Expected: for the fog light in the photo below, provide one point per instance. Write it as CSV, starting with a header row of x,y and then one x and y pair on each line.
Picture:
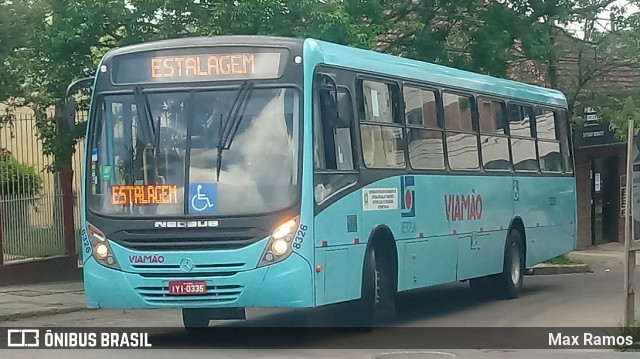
x,y
102,251
279,247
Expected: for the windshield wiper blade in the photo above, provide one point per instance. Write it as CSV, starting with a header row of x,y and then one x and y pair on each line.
x,y
229,128
142,105
153,133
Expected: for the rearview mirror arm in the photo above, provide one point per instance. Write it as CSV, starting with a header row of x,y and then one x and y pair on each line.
x,y
77,84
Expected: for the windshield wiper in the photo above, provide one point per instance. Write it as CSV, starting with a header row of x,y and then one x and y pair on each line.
x,y
229,128
146,120
142,104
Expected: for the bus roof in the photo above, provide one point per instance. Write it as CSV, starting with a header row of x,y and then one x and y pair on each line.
x,y
203,41
370,61
376,62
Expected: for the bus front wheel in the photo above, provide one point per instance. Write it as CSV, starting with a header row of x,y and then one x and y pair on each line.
x,y
378,295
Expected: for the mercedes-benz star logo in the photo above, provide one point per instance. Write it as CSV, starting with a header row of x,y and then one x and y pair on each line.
x,y
186,265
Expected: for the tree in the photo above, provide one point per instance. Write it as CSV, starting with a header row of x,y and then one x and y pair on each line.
x,y
65,40
619,113
518,39
15,20
578,65
353,22
52,42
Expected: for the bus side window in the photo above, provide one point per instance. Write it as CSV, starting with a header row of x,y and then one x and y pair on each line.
x,y
333,141
565,141
332,125
523,144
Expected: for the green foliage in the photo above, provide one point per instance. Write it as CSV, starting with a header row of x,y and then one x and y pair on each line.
x,y
619,113
561,260
17,180
49,43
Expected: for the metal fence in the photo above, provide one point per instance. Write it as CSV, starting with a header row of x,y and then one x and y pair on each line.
x,y
30,196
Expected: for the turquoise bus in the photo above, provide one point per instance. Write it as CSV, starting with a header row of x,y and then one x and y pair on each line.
x,y
251,171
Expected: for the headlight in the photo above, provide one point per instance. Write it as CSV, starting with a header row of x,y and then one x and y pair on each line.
x,y
102,252
279,246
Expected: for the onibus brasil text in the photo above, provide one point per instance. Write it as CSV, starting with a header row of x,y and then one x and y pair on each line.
x,y
50,339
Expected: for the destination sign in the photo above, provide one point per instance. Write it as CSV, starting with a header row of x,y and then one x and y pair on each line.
x,y
204,65
188,67
144,194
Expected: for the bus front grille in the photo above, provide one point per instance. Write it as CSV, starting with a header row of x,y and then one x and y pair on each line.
x,y
199,239
180,244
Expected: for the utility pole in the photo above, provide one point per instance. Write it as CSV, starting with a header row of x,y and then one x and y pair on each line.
x,y
629,240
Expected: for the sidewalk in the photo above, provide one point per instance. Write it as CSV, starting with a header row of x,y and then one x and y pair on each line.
x,y
607,256
18,302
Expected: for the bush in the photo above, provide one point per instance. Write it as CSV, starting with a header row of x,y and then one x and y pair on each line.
x,y
18,180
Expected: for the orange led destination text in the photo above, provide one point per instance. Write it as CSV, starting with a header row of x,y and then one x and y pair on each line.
x,y
203,66
151,194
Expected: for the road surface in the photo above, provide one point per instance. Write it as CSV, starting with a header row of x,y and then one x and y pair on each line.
x,y
575,300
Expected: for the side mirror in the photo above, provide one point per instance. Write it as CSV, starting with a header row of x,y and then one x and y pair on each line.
x,y
69,107
69,113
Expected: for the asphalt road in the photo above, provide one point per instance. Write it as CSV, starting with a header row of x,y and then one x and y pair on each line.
x,y
576,300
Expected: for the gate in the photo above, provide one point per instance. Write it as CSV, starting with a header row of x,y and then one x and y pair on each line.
x,y
31,200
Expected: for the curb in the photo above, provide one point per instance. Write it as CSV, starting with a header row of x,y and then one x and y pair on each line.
x,y
12,317
549,269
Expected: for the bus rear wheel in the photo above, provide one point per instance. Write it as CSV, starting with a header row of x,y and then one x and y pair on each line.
x,y
508,284
195,318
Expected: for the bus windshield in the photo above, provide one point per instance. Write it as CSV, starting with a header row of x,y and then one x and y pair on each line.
x,y
150,151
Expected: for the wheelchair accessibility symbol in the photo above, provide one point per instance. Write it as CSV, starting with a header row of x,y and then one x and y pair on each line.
x,y
203,198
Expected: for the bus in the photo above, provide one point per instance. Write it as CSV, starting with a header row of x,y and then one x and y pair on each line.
x,y
223,173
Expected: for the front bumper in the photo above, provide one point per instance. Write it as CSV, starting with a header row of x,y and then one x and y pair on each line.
x,y
287,284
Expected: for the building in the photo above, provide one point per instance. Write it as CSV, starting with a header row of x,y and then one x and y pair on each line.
x,y
600,160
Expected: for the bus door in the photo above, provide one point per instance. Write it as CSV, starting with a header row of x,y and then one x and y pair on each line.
x,y
338,208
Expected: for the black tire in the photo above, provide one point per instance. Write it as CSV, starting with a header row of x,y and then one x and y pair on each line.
x,y
482,287
195,318
377,302
508,284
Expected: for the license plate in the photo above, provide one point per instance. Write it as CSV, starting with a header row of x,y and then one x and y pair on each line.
x,y
187,288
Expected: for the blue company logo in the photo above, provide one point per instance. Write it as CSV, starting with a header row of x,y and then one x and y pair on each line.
x,y
203,198
408,197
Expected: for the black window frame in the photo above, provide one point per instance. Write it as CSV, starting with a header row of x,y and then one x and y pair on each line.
x,y
352,124
531,138
474,126
423,127
505,126
398,117
547,140
565,133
